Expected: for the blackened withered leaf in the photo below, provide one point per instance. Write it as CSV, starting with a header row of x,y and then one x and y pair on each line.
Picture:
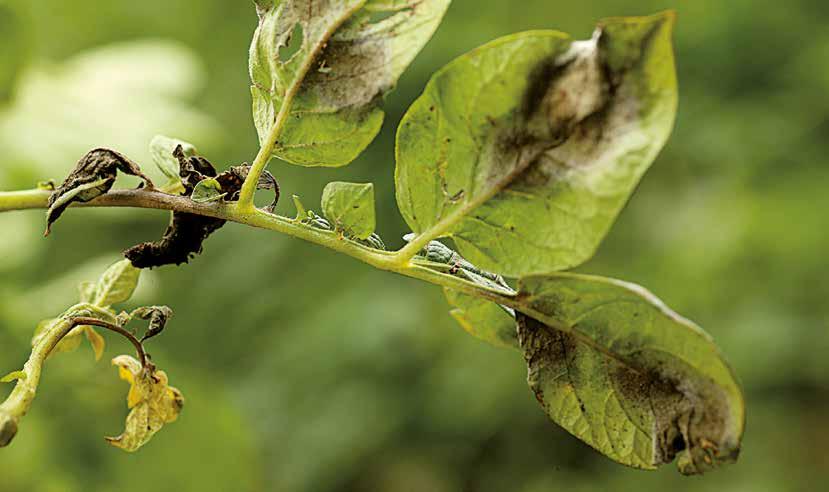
x,y
186,232
157,316
182,240
93,176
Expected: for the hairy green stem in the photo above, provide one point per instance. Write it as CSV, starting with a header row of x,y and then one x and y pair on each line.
x,y
234,212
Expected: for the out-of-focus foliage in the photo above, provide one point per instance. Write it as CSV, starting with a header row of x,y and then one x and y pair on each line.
x,y
308,371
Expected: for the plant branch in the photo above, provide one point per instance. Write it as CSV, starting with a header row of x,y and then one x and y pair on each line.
x,y
20,400
383,260
139,349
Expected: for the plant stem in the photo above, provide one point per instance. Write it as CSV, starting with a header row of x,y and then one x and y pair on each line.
x,y
20,400
383,260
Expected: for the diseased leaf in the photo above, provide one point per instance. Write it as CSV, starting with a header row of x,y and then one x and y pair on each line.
x,y
152,403
93,176
336,64
161,150
117,284
13,376
524,150
157,315
483,319
350,207
614,366
207,190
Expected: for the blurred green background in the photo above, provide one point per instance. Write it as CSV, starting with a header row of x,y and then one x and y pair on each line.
x,y
307,371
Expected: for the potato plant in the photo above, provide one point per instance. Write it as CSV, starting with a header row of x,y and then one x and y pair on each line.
x,y
510,169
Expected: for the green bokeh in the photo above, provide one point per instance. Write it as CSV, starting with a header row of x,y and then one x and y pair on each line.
x,y
307,371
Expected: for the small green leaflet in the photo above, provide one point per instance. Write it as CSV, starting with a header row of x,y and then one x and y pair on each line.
x,y
524,150
328,65
161,150
207,190
614,366
350,207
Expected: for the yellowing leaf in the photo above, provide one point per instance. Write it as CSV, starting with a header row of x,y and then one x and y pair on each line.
x,y
97,341
152,402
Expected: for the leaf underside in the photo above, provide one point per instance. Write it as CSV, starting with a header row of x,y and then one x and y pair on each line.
x,y
628,376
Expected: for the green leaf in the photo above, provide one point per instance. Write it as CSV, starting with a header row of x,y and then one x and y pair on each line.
x,y
207,190
350,207
13,49
161,150
117,284
614,366
483,319
328,64
525,150
13,376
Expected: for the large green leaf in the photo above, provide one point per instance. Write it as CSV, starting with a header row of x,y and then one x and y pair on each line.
x,y
350,207
614,366
331,63
525,150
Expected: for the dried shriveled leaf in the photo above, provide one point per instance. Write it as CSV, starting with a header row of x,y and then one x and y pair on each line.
x,y
157,316
152,402
628,376
350,207
339,62
529,146
93,176
185,234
